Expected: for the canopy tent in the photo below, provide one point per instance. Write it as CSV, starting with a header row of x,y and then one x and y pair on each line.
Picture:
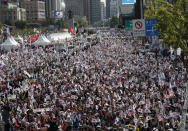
x,y
9,44
19,38
59,36
42,40
45,38
12,38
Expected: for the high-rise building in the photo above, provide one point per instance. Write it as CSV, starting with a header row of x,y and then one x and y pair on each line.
x,y
54,7
126,10
35,10
102,11
108,8
76,7
87,10
11,13
114,8
95,8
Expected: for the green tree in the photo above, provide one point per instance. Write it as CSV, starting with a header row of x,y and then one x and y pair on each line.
x,y
1,25
61,24
98,24
82,22
8,22
114,21
20,24
172,21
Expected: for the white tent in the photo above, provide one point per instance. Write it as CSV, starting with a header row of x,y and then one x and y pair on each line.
x,y
19,38
12,38
59,36
42,40
46,38
9,44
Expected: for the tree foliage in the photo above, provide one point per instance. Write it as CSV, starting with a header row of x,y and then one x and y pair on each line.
x,y
98,24
172,21
20,24
1,25
8,22
61,23
82,22
114,21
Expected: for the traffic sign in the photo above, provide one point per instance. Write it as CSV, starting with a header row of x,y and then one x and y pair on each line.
x,y
129,25
151,29
139,27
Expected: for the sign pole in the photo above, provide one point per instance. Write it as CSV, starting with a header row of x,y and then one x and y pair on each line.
x,y
141,9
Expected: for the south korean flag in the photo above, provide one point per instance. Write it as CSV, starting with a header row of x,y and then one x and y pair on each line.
x,y
59,14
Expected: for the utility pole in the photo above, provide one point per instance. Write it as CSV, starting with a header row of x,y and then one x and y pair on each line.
x,y
142,9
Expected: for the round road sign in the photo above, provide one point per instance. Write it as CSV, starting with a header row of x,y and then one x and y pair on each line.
x,y
138,25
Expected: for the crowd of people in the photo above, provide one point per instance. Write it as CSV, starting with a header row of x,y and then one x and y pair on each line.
x,y
103,87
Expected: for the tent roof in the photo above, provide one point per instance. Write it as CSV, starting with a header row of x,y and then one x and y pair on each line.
x,y
9,44
20,38
12,38
42,40
59,36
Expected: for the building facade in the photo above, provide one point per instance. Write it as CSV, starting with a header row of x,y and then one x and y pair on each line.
x,y
87,10
114,8
53,6
75,6
95,11
102,11
35,10
12,13
108,8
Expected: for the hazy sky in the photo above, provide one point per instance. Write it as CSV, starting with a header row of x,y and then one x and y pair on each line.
x,y
103,1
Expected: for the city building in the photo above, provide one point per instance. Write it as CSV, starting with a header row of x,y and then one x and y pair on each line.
x,y
114,8
87,9
108,8
35,10
11,13
102,11
76,7
95,11
55,9
126,11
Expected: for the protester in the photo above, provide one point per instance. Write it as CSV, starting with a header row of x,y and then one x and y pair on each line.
x,y
102,85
